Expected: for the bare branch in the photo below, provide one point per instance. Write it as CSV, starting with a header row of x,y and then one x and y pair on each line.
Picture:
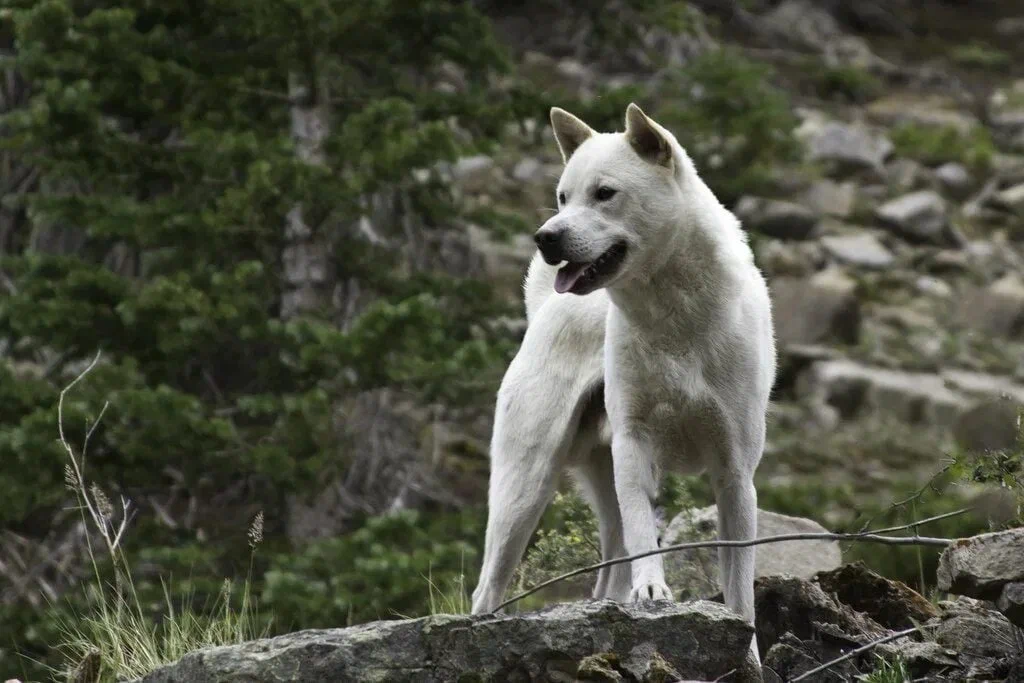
x,y
854,653
860,537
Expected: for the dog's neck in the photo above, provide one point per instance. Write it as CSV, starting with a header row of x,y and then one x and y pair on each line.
x,y
698,269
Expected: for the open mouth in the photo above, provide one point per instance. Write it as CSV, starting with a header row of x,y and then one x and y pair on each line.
x,y
582,278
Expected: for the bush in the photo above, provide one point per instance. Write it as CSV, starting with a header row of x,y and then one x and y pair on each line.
x,y
735,125
849,83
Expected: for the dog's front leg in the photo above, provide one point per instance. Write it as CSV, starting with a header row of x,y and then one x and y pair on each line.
x,y
737,521
636,484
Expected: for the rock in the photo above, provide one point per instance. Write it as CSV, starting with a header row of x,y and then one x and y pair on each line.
x,y
980,566
695,572
955,179
996,310
852,388
776,218
918,217
473,174
973,631
529,170
1010,26
862,250
933,286
929,110
890,603
786,604
848,146
821,308
795,259
803,23
830,198
552,644
1011,199
1011,603
988,426
791,657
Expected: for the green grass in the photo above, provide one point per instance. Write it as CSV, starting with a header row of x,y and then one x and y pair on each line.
x,y
117,636
886,671
980,55
935,145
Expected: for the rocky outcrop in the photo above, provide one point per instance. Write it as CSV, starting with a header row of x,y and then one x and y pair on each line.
x,y
694,573
661,641
981,566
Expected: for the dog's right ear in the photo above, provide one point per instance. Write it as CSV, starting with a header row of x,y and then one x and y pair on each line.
x,y
570,132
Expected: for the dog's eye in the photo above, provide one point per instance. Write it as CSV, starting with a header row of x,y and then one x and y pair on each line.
x,y
604,193
561,198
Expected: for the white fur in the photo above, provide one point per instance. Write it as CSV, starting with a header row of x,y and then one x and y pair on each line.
x,y
680,337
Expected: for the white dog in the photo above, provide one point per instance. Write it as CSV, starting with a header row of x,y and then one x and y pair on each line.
x,y
660,311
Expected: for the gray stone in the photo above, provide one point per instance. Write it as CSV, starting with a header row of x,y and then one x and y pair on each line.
x,y
919,217
921,110
996,310
848,145
853,388
529,170
776,218
980,566
830,198
862,250
473,174
988,426
1011,199
699,640
1011,603
954,178
694,573
821,308
972,630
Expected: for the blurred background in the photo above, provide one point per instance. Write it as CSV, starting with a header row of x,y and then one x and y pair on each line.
x,y
297,231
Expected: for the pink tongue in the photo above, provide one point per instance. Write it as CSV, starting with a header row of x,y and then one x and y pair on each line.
x,y
568,275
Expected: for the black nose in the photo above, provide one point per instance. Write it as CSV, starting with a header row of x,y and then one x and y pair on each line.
x,y
547,239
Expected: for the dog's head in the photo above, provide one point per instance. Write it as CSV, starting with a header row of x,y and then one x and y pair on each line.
x,y
618,201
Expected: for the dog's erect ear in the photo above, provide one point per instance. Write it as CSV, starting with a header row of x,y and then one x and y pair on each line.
x,y
646,137
570,132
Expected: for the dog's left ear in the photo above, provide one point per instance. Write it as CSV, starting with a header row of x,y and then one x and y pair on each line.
x,y
647,138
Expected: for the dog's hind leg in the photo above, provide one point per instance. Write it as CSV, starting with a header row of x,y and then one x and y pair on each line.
x,y
596,480
540,401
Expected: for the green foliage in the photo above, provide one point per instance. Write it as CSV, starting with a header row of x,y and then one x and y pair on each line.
x,y
980,55
849,83
390,567
888,671
735,125
163,132
935,145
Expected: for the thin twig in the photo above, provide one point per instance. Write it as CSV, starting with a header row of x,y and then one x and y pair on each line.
x,y
854,653
861,537
930,484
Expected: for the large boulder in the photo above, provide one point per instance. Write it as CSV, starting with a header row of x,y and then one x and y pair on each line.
x,y
659,641
845,146
821,308
980,566
694,573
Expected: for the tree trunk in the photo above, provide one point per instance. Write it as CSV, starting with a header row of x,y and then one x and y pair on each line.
x,y
308,271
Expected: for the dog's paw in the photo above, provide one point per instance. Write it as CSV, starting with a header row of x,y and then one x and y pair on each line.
x,y
650,590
